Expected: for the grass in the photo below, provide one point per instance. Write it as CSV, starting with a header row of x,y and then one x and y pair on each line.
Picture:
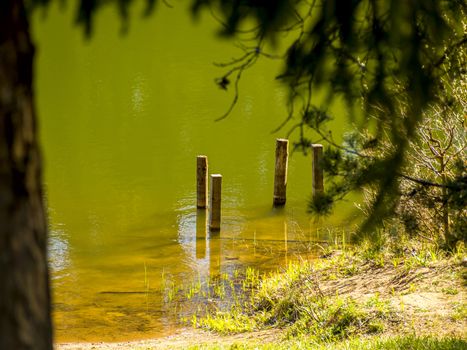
x,y
460,312
293,301
375,343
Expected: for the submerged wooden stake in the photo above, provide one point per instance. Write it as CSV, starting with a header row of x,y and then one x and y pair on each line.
x,y
215,203
201,181
317,180
280,176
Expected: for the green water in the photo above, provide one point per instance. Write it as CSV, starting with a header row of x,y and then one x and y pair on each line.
x,y
122,119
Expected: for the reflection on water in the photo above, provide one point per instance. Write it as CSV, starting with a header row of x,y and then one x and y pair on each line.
x,y
122,121
120,293
59,251
138,95
201,233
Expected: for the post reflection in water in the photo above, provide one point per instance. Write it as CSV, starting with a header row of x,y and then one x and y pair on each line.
x,y
286,239
215,253
201,229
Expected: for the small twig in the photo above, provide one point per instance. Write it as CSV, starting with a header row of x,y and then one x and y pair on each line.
x,y
240,69
333,143
239,31
448,51
166,3
426,182
233,61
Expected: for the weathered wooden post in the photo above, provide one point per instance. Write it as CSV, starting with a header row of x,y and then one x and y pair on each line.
x,y
215,203
201,181
317,180
280,176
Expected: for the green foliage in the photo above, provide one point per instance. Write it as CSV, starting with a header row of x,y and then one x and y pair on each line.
x,y
432,183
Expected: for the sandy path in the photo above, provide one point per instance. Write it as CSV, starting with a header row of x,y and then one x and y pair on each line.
x,y
180,340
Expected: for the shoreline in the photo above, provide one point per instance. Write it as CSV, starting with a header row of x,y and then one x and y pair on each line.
x,y
181,339
419,296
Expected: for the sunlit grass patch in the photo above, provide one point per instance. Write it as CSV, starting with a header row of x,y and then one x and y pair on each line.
x,y
227,322
292,300
304,299
372,343
460,312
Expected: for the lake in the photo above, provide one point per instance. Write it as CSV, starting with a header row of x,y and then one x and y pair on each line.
x,y
122,119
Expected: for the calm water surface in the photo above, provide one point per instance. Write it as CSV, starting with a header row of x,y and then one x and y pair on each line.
x,y
122,120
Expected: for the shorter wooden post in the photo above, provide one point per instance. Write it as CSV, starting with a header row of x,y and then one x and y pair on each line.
x,y
317,179
201,181
280,175
215,203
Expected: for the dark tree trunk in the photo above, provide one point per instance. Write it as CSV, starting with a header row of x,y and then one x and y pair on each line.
x,y
24,281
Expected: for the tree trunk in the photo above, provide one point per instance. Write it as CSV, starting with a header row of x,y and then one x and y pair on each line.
x,y
25,321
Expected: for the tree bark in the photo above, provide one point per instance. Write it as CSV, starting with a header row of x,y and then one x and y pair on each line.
x,y
25,321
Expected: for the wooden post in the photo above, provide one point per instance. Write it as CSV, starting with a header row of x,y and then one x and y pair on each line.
x,y
317,180
280,176
201,181
215,203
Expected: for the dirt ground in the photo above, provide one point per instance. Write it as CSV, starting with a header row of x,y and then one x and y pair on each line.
x,y
428,301
180,340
